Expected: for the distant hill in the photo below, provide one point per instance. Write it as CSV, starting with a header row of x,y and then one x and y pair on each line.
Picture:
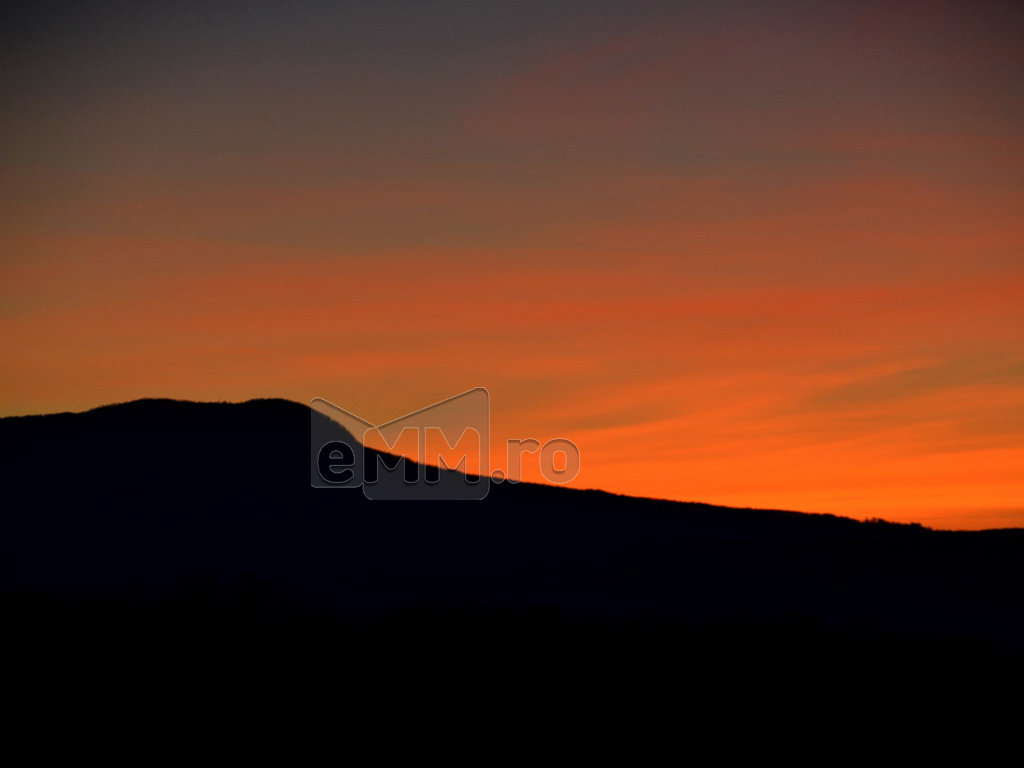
x,y
194,524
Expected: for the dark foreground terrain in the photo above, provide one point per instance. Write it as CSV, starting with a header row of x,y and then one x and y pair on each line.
x,y
171,549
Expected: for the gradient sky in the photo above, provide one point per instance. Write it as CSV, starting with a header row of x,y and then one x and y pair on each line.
x,y
765,254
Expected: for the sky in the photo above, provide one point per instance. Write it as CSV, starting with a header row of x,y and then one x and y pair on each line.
x,y
756,254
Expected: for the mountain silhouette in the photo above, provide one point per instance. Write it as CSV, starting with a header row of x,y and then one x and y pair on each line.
x,y
191,531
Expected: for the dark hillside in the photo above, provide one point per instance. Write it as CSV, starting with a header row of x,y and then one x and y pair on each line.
x,y
194,526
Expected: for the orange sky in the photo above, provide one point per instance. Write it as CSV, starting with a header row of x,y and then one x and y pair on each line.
x,y
738,256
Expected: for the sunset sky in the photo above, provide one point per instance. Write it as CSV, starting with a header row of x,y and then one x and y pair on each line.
x,y
749,253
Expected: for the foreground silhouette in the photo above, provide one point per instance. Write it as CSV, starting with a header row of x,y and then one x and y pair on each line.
x,y
162,543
